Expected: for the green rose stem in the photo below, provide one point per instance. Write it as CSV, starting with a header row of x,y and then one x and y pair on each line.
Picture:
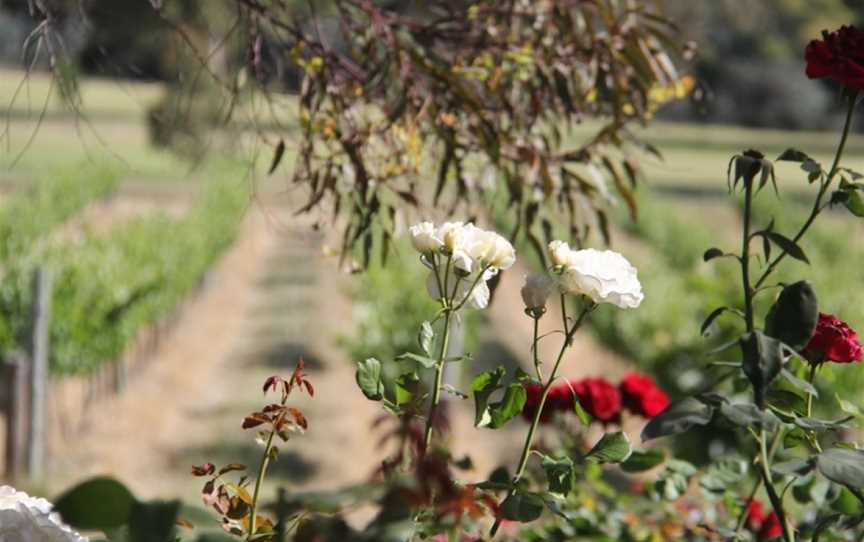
x,y
529,439
742,517
823,188
449,310
439,376
764,459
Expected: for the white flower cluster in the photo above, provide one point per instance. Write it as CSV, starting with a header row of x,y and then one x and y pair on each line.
x,y
475,254
30,519
602,275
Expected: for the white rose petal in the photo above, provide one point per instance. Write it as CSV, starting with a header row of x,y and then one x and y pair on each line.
x,y
559,253
424,239
450,234
537,288
29,519
604,276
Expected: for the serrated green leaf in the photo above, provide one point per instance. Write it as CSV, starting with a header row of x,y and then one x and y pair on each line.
x,y
792,318
522,507
677,418
749,415
560,474
762,361
642,460
424,361
509,406
426,337
611,448
482,387
368,377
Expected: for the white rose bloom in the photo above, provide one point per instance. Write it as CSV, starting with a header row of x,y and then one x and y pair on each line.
x,y
451,234
488,248
503,255
604,276
424,239
537,288
29,519
560,253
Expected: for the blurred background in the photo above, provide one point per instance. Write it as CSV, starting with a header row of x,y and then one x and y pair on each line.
x,y
179,276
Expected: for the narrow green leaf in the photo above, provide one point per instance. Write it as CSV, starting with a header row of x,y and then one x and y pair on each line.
x,y
788,245
710,319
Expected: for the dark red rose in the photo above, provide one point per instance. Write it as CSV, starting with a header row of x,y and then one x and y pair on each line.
x,y
834,341
641,395
755,515
838,55
771,528
599,398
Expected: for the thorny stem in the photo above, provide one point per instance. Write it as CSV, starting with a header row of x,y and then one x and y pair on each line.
x,y
259,481
764,459
817,205
529,439
742,517
776,502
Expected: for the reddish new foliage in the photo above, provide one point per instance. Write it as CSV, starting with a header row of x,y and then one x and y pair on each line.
x,y
838,55
204,470
642,396
834,341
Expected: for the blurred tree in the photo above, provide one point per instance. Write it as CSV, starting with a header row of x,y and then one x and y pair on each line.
x,y
484,90
751,60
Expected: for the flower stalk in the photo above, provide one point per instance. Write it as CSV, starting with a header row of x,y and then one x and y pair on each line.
x,y
535,422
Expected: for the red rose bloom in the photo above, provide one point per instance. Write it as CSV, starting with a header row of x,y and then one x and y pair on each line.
x,y
838,55
641,395
599,398
755,515
771,528
834,341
